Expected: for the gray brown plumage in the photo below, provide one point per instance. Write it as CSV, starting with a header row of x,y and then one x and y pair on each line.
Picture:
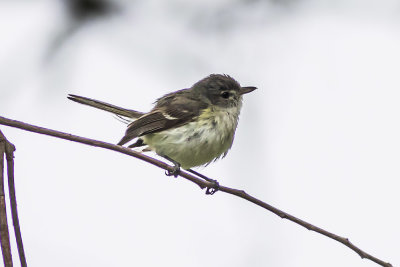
x,y
170,111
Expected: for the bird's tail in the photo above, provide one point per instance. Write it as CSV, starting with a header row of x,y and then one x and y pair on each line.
x,y
129,113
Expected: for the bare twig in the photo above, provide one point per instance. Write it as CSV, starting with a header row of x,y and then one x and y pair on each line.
x,y
4,234
201,183
9,149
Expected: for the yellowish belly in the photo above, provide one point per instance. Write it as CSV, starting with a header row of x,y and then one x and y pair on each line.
x,y
195,143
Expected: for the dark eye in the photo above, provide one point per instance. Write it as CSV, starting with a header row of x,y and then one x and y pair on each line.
x,y
225,95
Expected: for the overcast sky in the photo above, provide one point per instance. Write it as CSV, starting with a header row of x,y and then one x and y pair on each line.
x,y
318,139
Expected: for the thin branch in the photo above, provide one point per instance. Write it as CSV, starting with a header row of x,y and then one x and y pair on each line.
x,y
309,226
201,183
10,148
96,143
4,234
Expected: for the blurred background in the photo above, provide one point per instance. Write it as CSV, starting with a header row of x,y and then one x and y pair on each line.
x,y
318,139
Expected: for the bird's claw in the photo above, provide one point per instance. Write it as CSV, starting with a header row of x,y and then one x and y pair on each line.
x,y
212,190
175,171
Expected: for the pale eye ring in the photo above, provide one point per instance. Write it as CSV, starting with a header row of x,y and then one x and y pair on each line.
x,y
225,95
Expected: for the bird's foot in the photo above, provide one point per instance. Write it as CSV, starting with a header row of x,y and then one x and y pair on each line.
x,y
175,170
215,187
210,190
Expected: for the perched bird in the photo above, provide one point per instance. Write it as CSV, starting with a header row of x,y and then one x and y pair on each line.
x,y
190,127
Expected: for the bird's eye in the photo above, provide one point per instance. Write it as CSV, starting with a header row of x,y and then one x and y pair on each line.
x,y
225,95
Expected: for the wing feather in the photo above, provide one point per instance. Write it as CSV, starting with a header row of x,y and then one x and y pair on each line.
x,y
169,112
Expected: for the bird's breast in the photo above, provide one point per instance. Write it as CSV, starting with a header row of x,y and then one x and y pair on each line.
x,y
199,142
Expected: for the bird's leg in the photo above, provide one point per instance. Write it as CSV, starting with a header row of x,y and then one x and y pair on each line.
x,y
176,169
210,190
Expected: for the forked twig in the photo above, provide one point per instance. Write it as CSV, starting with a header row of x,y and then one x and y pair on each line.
x,y
4,234
201,183
9,151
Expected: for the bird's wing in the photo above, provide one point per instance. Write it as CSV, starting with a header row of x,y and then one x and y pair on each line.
x,y
164,116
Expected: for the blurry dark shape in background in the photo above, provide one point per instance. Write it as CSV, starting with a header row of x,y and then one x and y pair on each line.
x,y
204,19
81,10
79,13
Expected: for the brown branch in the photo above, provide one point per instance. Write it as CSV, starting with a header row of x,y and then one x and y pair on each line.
x,y
309,226
201,183
9,149
4,234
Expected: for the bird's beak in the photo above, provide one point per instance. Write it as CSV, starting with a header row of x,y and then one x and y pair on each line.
x,y
247,89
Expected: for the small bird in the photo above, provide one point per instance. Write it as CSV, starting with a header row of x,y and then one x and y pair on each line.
x,y
189,127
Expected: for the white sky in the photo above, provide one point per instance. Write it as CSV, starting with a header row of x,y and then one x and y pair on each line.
x,y
318,139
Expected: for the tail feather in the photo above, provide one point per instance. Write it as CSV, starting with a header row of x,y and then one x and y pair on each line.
x,y
129,113
125,140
